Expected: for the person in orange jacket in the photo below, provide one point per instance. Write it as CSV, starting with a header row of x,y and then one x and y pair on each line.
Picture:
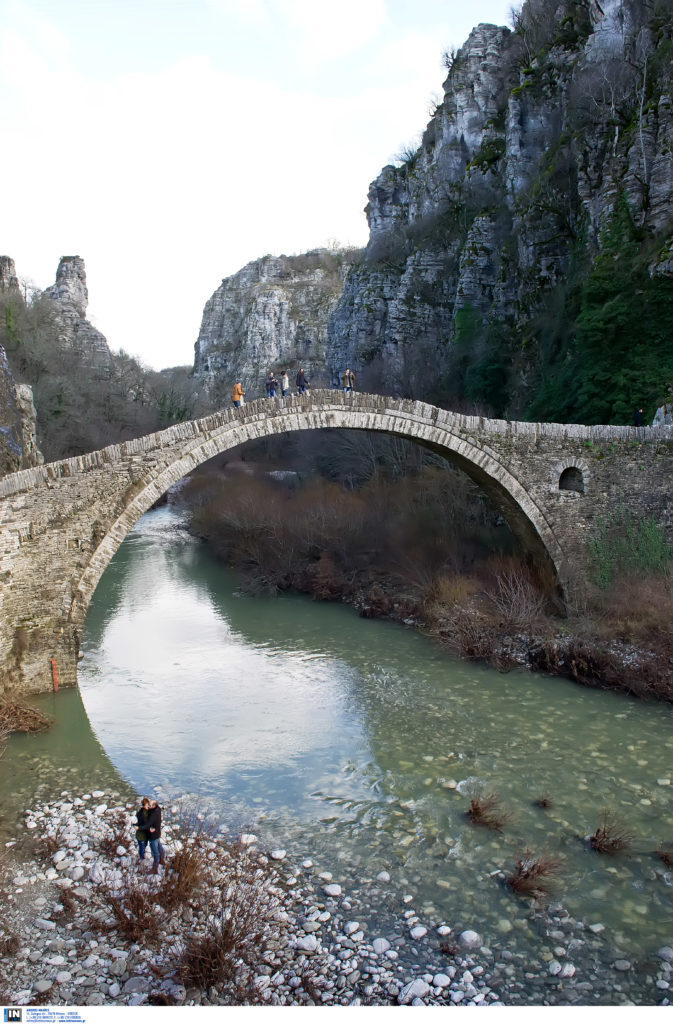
x,y
237,394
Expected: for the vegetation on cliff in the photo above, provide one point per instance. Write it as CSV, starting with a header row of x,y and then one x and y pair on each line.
x,y
82,402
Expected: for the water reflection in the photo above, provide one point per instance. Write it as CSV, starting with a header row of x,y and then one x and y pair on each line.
x,y
358,740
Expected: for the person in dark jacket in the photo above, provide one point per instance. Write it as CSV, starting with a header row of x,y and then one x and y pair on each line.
x,y
271,385
301,381
142,835
638,418
153,827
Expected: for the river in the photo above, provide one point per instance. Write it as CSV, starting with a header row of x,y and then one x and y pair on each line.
x,y
357,743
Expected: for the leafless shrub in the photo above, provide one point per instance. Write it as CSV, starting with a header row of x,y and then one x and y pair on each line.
x,y
544,802
133,906
610,837
665,853
184,876
118,835
9,945
517,600
486,809
236,916
534,876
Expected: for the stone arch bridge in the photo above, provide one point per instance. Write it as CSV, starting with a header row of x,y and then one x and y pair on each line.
x,y
61,523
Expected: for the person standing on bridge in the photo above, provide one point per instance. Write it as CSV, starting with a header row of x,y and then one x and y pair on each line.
x,y
301,381
348,380
237,395
284,384
271,385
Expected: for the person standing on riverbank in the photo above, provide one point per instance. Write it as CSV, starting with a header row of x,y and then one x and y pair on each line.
x,y
153,827
142,835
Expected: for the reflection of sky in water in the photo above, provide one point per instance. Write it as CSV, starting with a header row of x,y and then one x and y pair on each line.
x,y
178,670
305,721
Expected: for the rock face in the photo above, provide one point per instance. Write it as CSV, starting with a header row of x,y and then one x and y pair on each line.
x,y
18,443
271,315
9,282
70,298
540,133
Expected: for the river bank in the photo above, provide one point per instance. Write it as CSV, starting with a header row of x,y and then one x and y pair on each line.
x,y
84,924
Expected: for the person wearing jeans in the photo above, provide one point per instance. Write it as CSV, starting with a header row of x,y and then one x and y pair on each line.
x,y
153,828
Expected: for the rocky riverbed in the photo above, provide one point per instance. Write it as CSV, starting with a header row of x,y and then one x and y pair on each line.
x,y
72,929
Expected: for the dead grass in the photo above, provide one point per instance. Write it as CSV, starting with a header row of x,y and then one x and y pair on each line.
x,y
534,876
610,837
486,809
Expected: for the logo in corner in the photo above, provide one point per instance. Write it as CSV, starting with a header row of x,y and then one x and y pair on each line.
x,y
13,1014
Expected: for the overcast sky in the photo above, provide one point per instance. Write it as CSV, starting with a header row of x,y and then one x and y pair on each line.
x,y
169,143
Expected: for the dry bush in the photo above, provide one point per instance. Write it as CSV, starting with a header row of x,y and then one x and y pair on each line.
x,y
132,905
544,802
665,853
183,877
486,809
517,600
118,835
18,717
610,837
236,919
534,876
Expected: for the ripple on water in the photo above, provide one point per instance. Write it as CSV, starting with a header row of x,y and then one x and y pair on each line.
x,y
337,737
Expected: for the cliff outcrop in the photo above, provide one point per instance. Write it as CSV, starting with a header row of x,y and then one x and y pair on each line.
x,y
69,297
501,250
18,442
270,315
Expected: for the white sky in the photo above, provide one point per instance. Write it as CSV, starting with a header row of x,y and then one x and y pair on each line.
x,y
169,143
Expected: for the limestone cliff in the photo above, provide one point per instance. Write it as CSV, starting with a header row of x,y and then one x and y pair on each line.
x,y
471,288
18,442
69,297
270,315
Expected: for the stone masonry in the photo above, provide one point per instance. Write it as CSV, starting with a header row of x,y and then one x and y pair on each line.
x,y
61,523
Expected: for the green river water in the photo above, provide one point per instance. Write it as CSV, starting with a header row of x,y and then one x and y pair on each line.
x,y
355,743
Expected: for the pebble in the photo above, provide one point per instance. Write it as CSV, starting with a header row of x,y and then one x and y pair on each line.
x,y
343,966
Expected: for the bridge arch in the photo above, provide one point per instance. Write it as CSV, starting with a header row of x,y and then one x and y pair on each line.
x,y
411,420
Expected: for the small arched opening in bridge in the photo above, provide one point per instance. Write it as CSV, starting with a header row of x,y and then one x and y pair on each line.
x,y
572,479
413,421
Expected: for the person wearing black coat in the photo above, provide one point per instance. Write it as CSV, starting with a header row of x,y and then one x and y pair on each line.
x,y
142,835
153,829
301,382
